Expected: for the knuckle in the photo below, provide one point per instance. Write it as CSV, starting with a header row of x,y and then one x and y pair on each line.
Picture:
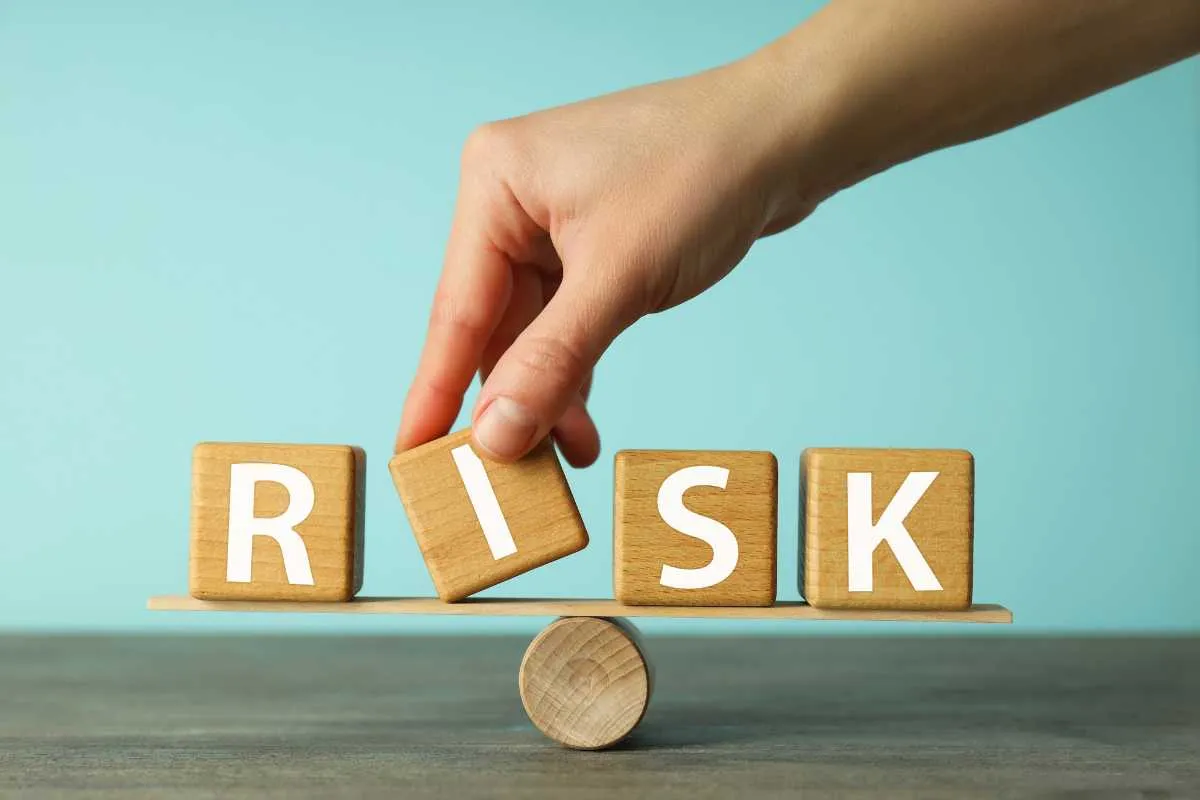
x,y
463,318
443,384
485,145
554,362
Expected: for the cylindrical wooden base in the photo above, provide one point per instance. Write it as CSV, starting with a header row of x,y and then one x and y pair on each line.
x,y
585,681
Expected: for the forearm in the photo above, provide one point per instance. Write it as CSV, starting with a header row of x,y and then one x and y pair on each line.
x,y
884,82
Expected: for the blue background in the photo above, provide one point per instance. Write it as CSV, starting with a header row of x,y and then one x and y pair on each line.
x,y
224,220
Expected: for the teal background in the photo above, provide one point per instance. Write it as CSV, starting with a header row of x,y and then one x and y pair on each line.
x,y
224,220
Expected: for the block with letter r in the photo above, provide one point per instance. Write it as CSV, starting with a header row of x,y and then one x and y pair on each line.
x,y
276,521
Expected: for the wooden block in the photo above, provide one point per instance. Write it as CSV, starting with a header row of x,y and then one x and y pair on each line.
x,y
276,522
694,527
887,529
586,682
479,522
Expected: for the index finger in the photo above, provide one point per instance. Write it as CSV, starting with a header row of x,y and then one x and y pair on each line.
x,y
470,300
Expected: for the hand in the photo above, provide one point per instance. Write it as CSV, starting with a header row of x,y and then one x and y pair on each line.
x,y
573,223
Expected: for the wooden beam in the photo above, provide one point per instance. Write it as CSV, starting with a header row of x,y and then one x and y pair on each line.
x,y
519,607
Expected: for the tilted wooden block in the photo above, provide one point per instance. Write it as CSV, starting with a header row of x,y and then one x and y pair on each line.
x,y
276,521
479,522
886,529
695,528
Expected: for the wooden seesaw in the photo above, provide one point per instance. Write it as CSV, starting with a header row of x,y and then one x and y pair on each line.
x,y
585,680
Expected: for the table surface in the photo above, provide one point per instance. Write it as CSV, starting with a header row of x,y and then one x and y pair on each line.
x,y
221,716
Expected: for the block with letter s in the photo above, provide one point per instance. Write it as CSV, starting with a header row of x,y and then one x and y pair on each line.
x,y
695,527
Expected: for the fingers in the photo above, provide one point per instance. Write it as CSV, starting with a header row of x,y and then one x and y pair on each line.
x,y
576,435
537,384
471,297
525,302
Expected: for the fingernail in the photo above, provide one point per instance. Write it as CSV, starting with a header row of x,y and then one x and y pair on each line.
x,y
506,428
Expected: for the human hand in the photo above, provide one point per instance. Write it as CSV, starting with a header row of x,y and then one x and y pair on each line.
x,y
573,223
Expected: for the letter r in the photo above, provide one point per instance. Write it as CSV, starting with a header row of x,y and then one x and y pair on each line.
x,y
244,526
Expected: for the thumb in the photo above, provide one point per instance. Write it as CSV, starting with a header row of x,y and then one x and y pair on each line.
x,y
540,375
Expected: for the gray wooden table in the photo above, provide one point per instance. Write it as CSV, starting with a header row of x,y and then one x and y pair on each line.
x,y
440,717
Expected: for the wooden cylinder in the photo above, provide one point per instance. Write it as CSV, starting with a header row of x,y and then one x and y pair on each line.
x,y
585,681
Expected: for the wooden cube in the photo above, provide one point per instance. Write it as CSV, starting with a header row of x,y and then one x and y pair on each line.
x,y
480,522
886,529
695,527
276,521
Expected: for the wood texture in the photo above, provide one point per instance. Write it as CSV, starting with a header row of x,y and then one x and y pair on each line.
x,y
332,533
940,524
422,717
585,683
643,542
534,498
519,607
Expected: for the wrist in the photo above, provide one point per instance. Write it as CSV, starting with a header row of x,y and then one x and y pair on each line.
x,y
806,87
794,104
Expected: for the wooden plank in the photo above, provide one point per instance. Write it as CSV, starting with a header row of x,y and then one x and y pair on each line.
x,y
520,607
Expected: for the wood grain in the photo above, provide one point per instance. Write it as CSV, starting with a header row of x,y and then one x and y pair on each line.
x,y
585,682
332,533
534,497
643,542
165,716
522,607
941,525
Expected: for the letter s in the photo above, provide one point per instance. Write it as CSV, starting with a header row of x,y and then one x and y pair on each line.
x,y
722,541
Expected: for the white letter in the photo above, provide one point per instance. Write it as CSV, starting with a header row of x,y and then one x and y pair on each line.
x,y
863,537
483,500
244,526
719,538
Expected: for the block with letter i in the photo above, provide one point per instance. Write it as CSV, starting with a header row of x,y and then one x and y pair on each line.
x,y
695,528
276,522
479,522
887,528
